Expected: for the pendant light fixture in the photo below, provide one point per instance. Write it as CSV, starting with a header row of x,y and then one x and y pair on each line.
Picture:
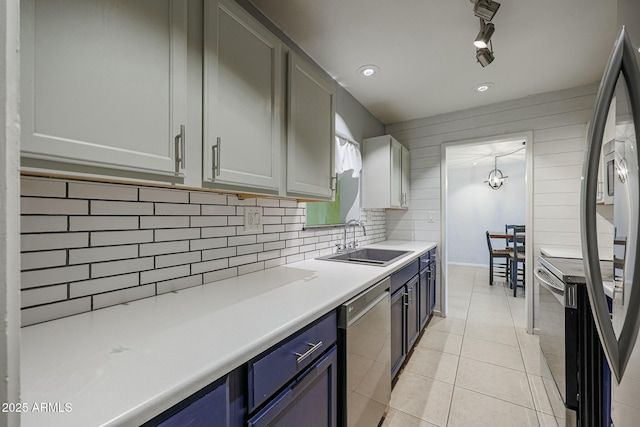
x,y
496,177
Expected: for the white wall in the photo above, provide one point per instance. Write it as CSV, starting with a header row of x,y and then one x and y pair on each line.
x,y
558,122
473,208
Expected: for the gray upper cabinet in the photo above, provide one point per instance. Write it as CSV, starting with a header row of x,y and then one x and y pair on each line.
x,y
310,131
242,99
104,84
385,173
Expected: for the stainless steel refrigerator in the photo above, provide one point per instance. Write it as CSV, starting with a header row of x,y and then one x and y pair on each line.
x,y
619,93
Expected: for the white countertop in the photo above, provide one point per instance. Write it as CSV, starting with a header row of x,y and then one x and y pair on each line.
x,y
125,364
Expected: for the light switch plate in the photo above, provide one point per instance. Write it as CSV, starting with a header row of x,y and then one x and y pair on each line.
x,y
252,218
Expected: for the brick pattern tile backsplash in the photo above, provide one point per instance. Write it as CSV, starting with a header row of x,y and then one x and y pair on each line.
x,y
87,246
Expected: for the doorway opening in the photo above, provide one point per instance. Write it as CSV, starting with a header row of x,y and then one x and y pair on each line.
x,y
487,184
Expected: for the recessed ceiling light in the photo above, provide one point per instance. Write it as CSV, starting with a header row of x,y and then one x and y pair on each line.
x,y
483,87
368,70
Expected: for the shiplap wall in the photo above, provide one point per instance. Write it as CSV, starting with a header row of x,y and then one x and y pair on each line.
x,y
87,246
558,121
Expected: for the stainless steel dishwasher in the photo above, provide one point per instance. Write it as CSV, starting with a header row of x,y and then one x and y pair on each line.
x,y
364,368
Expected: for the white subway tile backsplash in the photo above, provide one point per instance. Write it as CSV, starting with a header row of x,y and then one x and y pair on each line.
x,y
216,242
30,186
101,223
250,249
177,284
278,228
176,209
235,220
274,262
41,242
204,198
51,276
214,276
33,260
244,259
262,238
208,221
273,211
165,235
106,253
250,268
274,245
161,274
164,222
102,207
103,244
44,295
164,248
105,284
268,202
208,266
123,296
45,206
113,268
178,259
263,256
218,231
43,223
218,253
295,258
106,238
95,191
242,240
43,313
218,210
233,200
163,195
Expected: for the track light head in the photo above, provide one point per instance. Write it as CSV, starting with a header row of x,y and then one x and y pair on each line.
x,y
486,31
486,9
484,56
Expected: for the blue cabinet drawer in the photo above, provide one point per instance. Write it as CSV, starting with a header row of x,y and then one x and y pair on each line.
x,y
309,401
270,371
400,277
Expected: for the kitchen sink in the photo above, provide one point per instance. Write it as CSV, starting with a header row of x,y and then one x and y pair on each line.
x,y
367,256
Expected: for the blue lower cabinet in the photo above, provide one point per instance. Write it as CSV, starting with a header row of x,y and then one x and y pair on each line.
x,y
432,286
221,404
425,300
413,318
309,401
398,349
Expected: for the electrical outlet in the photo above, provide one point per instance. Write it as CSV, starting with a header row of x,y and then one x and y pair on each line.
x,y
431,216
252,218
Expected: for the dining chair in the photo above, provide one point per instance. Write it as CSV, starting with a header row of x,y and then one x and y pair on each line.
x,y
517,267
501,269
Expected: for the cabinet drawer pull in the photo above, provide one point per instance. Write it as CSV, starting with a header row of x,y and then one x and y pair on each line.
x,y
180,148
309,352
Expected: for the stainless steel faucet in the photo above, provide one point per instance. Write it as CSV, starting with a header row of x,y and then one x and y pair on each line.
x,y
354,243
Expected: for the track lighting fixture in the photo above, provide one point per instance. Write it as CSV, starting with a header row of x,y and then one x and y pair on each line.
x,y
485,9
484,56
486,31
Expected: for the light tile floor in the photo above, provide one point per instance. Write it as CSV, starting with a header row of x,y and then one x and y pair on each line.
x,y
477,367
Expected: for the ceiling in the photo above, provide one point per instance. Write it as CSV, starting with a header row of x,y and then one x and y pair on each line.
x,y
425,53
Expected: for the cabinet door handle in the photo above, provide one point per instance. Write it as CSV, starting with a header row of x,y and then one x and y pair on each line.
x,y
215,152
406,300
180,148
309,352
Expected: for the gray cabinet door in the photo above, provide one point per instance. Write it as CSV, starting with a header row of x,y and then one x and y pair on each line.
x,y
104,83
310,131
242,99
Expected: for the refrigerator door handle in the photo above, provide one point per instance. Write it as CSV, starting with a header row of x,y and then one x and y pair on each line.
x,y
617,350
